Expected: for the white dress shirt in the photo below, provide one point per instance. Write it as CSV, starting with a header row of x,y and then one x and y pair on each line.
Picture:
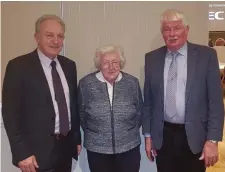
x,y
46,65
101,78
181,82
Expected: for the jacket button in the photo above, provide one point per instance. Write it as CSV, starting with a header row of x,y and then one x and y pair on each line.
x,y
53,118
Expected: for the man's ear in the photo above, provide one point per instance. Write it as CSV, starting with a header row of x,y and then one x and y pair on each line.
x,y
187,29
37,37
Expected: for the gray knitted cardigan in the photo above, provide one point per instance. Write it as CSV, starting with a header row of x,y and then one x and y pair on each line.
x,y
110,129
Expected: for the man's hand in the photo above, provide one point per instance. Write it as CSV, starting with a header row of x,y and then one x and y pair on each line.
x,y
148,148
79,147
210,153
28,165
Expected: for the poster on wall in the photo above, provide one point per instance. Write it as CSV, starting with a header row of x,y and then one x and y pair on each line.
x,y
217,41
216,38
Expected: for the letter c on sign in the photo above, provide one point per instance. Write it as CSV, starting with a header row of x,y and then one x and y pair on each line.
x,y
218,15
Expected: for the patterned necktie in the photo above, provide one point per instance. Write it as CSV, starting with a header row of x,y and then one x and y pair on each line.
x,y
171,88
61,101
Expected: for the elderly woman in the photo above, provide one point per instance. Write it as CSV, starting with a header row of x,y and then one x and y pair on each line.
x,y
110,111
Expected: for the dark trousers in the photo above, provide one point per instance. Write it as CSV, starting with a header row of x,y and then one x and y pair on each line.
x,y
175,154
60,159
124,162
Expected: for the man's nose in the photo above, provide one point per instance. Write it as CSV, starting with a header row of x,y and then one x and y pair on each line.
x,y
172,33
55,40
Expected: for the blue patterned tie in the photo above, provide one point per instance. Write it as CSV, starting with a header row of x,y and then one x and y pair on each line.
x,y
171,88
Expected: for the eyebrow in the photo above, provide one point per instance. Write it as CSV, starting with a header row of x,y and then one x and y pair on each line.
x,y
48,32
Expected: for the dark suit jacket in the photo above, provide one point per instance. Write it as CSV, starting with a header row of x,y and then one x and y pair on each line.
x,y
204,110
28,111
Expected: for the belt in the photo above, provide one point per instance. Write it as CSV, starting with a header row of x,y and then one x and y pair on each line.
x,y
58,136
174,125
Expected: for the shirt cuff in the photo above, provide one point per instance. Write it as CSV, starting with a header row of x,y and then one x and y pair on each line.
x,y
147,135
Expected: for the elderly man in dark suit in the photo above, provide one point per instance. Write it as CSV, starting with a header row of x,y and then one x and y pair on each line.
x,y
183,105
39,103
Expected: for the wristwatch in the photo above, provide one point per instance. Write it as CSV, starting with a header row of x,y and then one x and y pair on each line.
x,y
213,141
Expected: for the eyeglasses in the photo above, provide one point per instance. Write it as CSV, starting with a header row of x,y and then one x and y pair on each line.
x,y
114,64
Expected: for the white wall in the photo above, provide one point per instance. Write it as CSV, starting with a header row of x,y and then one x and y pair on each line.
x,y
133,25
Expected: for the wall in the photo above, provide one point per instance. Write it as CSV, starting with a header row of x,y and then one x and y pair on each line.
x,y
133,25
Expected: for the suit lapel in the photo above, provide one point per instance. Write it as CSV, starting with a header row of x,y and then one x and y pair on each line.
x,y
192,59
160,71
66,72
40,76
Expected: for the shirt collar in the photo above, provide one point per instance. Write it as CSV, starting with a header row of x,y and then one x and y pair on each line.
x,y
182,50
44,59
100,77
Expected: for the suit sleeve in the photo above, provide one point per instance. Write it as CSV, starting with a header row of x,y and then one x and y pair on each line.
x,y
12,96
81,106
139,104
146,119
215,99
76,122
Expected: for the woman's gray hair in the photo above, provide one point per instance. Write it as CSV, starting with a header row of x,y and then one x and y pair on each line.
x,y
48,17
173,15
109,49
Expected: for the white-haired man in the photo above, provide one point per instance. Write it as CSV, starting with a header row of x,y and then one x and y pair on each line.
x,y
183,105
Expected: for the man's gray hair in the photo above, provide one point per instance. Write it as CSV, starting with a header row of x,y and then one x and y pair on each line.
x,y
173,15
48,17
109,49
